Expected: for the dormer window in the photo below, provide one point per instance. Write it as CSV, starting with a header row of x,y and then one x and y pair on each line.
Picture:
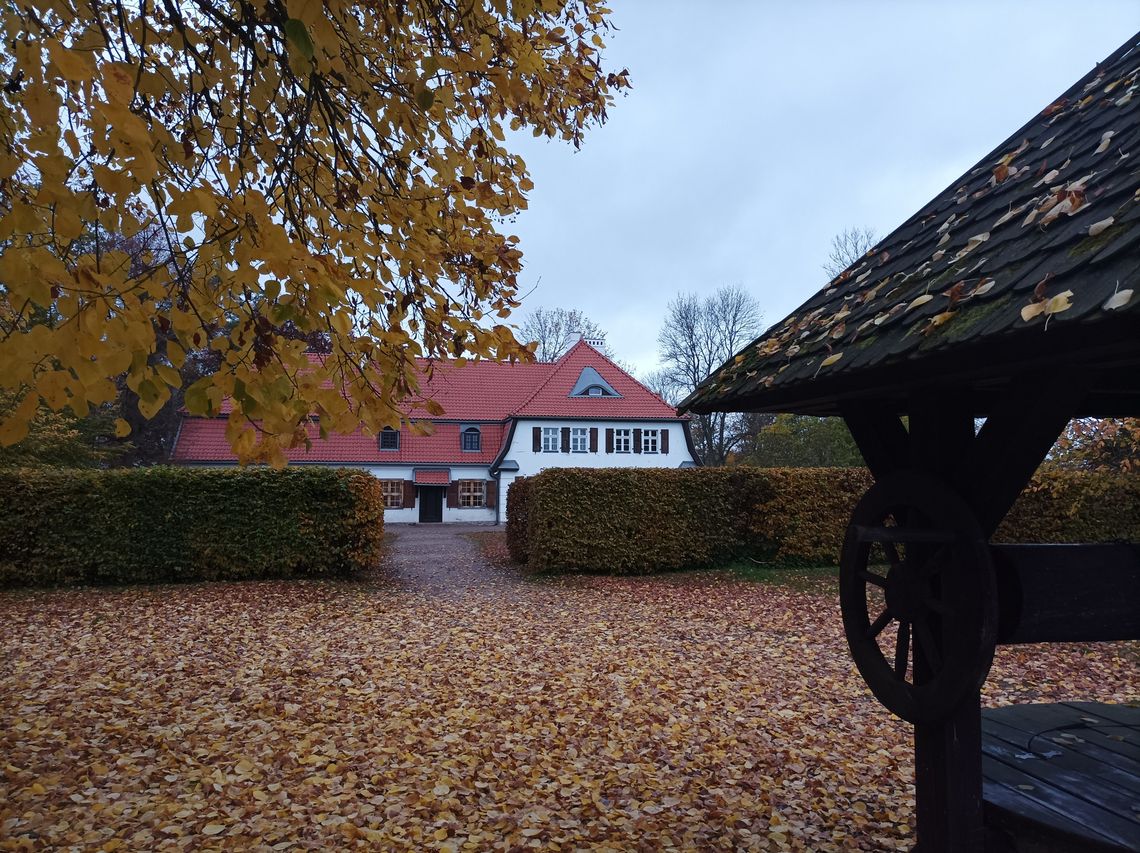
x,y
591,384
389,439
471,439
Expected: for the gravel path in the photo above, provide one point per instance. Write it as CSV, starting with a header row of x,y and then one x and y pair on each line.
x,y
441,558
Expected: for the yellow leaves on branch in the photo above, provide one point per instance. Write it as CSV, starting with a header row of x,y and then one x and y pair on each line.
x,y
240,183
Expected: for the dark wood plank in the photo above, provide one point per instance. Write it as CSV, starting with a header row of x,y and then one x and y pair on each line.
x,y
1036,825
1043,717
1125,715
1089,783
992,727
1108,766
1097,823
1103,739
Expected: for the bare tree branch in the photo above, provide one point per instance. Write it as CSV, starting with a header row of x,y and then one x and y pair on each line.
x,y
847,247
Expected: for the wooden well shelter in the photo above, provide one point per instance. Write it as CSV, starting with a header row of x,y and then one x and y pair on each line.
x,y
1014,297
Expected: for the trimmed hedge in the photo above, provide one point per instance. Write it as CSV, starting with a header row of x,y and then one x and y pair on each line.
x,y
146,525
624,521
518,503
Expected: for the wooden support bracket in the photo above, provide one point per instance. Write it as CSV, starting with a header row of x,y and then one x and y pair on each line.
x,y
880,436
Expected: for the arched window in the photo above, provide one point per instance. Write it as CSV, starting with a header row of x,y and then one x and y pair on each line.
x,y
471,438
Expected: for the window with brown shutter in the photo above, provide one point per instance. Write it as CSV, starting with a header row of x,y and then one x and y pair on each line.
x,y
665,440
472,493
393,493
565,439
453,494
637,441
609,441
536,439
593,439
409,494
492,493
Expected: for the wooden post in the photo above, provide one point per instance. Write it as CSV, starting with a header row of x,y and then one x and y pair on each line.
x,y
947,754
948,781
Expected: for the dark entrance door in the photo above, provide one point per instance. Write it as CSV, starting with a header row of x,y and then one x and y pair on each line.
x,y
431,503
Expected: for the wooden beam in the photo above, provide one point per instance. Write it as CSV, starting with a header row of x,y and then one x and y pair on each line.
x,y
879,434
1014,441
941,432
1067,593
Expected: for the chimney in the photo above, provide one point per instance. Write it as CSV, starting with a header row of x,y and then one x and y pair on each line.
x,y
598,343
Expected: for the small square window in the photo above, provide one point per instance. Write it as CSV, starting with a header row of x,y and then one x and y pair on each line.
x,y
551,440
393,492
579,440
649,439
472,493
389,439
623,440
471,439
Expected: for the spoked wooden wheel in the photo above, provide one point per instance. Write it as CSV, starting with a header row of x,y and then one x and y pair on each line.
x,y
917,591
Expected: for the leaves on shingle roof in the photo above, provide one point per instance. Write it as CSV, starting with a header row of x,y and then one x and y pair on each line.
x,y
1045,230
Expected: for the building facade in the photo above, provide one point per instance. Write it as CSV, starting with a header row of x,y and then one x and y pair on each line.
x,y
499,422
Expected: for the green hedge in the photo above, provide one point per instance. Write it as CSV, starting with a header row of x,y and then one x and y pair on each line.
x,y
177,524
636,521
629,521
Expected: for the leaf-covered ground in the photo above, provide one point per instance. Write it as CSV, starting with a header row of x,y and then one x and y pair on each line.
x,y
693,711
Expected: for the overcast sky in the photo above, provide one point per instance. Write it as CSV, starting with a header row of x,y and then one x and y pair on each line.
x,y
757,131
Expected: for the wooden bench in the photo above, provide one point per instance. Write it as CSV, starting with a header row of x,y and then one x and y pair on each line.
x,y
1062,777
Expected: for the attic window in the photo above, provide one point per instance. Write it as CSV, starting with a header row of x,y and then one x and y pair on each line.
x,y
471,439
591,384
389,439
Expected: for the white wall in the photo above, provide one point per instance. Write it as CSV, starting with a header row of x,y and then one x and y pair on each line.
x,y
530,463
410,515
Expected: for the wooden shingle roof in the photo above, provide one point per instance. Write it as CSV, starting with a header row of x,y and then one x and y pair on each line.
x,y
1029,262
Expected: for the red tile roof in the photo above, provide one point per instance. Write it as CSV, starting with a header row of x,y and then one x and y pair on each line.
x,y
433,478
484,392
552,398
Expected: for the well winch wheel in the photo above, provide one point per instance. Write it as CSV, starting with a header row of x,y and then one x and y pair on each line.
x,y
917,591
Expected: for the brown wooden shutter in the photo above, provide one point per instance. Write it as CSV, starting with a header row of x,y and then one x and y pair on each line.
x,y
536,439
565,439
637,441
453,494
492,493
665,440
409,494
609,441
593,439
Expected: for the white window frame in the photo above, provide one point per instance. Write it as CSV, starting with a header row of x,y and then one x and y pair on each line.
x,y
650,440
472,494
579,440
623,441
393,493
551,439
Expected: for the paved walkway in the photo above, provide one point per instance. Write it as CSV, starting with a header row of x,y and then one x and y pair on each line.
x,y
440,558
